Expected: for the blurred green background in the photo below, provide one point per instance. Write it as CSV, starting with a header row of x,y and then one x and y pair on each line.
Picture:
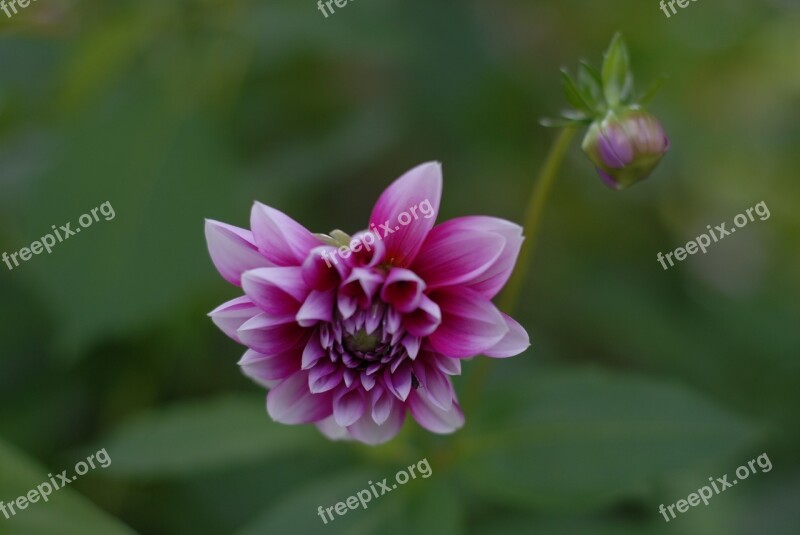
x,y
640,383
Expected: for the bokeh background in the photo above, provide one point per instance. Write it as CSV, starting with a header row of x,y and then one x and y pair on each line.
x,y
640,383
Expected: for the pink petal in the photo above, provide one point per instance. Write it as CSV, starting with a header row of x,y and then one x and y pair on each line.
x,y
513,343
263,369
322,270
436,384
281,239
332,430
233,314
403,290
490,282
367,431
291,403
382,404
433,418
232,250
365,250
419,189
270,336
324,376
425,320
317,307
471,324
312,352
447,365
358,290
398,382
454,255
348,406
277,291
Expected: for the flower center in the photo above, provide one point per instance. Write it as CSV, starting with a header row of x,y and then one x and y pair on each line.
x,y
361,341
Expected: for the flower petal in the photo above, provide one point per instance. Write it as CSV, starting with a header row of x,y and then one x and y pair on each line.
x,y
263,369
367,431
433,418
490,282
348,406
332,430
322,270
425,320
436,384
471,324
403,290
454,254
317,307
358,290
398,382
365,250
269,335
233,314
291,403
419,188
278,291
281,239
513,343
232,250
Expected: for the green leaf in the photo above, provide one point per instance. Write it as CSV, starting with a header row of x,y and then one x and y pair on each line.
x,y
617,77
590,84
193,437
65,512
574,95
589,439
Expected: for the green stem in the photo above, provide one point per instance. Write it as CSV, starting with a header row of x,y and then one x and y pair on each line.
x,y
531,226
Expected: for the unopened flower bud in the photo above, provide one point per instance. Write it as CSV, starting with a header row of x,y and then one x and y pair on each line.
x,y
625,147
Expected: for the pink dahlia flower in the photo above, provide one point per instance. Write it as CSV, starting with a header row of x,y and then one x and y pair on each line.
x,y
353,337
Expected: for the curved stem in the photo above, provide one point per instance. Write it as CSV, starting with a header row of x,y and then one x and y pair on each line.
x,y
531,226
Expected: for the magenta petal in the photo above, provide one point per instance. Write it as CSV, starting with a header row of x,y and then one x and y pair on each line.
x,y
403,289
398,382
270,336
471,324
436,384
277,291
425,320
419,189
317,307
233,314
348,406
332,430
365,250
291,403
447,365
432,417
324,376
232,250
454,254
322,270
367,431
491,281
281,239
513,343
358,290
263,369
382,404
312,352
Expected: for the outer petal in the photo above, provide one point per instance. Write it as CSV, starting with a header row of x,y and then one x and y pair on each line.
x,y
291,403
281,239
278,291
232,250
513,343
454,255
271,336
433,418
367,431
263,369
490,282
233,314
332,430
471,324
420,188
